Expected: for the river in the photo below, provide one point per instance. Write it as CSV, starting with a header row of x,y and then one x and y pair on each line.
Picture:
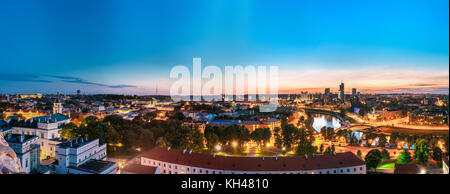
x,y
322,120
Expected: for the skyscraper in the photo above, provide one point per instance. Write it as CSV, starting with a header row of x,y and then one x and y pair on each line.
x,y
326,95
353,91
327,91
341,94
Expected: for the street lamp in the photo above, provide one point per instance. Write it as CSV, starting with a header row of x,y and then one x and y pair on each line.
x,y
218,147
234,144
423,171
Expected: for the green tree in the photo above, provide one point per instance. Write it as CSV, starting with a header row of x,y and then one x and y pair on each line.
x,y
187,138
289,134
305,148
385,154
211,140
321,148
69,131
437,154
393,139
161,142
358,153
305,145
373,159
421,151
404,157
261,136
278,139
382,140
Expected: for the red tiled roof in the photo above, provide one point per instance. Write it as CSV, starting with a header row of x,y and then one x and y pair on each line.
x,y
139,169
295,163
406,169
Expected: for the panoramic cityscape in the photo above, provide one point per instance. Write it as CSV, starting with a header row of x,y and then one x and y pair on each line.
x,y
298,87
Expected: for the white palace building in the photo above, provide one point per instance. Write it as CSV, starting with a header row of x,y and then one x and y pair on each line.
x,y
83,156
171,161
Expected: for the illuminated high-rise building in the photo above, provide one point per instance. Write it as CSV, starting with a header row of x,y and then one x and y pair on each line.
x,y
326,95
341,94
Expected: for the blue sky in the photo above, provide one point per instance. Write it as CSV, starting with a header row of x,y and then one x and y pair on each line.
x,y
129,47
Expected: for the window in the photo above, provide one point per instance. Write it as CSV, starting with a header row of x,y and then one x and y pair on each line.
x,y
354,169
348,170
360,168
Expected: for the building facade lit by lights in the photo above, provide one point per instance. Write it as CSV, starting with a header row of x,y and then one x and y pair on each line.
x,y
187,162
47,128
27,149
83,156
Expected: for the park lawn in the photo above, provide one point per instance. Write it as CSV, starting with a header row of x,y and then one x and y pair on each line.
x,y
390,165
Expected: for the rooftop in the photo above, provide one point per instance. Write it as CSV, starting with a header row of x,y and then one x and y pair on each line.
x,y
295,163
94,166
271,120
224,122
15,138
139,169
52,118
4,125
75,142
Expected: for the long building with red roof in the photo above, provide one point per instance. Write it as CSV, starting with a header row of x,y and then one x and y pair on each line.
x,y
172,161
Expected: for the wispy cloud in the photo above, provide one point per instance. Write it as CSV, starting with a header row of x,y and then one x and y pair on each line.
x,y
48,79
77,80
22,78
423,85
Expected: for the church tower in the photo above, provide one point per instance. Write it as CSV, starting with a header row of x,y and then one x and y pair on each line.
x,y
57,107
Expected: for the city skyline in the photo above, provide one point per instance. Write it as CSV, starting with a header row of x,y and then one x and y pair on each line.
x,y
129,48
